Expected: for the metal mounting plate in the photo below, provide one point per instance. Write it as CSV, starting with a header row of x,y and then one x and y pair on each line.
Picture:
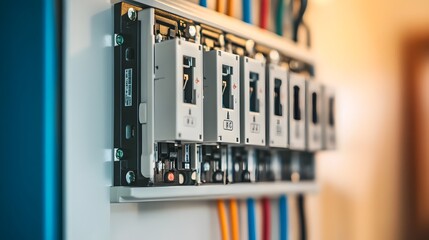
x,y
238,190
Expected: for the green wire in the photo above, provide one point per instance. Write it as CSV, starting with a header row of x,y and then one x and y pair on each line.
x,y
279,17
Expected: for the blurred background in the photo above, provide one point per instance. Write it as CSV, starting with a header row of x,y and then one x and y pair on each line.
x,y
376,54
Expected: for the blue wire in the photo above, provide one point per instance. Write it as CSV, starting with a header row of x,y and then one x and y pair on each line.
x,y
247,11
284,220
203,3
251,218
50,114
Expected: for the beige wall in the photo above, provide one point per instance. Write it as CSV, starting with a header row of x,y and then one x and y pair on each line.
x,y
357,44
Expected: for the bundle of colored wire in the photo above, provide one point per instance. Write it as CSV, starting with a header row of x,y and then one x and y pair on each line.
x,y
263,23
203,3
279,17
284,220
301,214
223,222
298,19
247,11
266,219
233,207
230,8
220,6
251,221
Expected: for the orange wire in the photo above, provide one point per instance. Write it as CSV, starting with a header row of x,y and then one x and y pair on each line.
x,y
220,6
221,209
230,8
233,207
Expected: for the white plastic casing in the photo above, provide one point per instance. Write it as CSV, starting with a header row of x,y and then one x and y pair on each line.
x,y
221,121
329,120
314,101
176,119
252,119
296,111
277,106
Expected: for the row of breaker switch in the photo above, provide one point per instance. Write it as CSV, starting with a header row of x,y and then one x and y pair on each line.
x,y
195,164
219,97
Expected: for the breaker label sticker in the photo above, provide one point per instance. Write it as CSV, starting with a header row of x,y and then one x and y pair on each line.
x,y
279,130
189,121
128,87
228,125
254,127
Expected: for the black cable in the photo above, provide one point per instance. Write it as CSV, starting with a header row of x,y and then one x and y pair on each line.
x,y
307,32
301,216
298,20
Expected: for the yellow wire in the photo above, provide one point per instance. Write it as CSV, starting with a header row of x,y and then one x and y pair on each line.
x,y
222,219
220,6
234,219
230,8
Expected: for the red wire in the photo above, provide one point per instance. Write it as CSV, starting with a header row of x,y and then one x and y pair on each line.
x,y
266,219
263,23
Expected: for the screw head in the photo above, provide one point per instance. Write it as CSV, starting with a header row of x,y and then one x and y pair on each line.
x,y
119,39
119,154
130,177
181,178
192,30
158,38
250,45
221,40
218,177
206,167
194,176
132,14
274,56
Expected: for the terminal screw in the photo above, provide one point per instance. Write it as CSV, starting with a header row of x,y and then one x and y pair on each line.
x,y
119,39
119,154
132,15
130,177
158,37
192,31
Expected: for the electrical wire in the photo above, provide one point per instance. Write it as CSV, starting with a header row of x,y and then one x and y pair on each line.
x,y
230,7
247,11
233,207
223,222
220,6
307,32
263,22
251,221
301,214
203,3
298,19
266,219
284,219
279,17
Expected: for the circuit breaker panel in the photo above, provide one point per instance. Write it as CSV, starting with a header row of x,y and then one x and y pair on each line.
x,y
199,103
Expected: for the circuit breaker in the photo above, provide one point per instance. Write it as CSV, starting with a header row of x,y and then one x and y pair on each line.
x,y
314,118
178,91
221,97
252,101
277,106
329,135
297,111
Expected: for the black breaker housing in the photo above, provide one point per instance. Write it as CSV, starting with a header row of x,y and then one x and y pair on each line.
x,y
127,128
